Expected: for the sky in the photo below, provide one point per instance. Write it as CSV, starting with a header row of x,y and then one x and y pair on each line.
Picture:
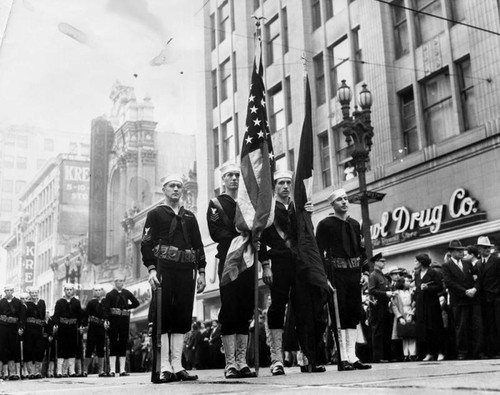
x,y
60,58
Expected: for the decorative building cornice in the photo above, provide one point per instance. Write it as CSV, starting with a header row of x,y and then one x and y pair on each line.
x,y
148,157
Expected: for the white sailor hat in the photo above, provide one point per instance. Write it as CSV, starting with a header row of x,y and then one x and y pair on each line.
x,y
69,286
98,287
24,295
8,287
282,174
119,275
170,178
336,194
229,168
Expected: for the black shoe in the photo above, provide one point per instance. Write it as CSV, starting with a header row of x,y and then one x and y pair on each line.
x,y
345,365
312,368
167,377
102,374
361,366
124,374
183,375
231,373
277,370
247,373
461,357
14,377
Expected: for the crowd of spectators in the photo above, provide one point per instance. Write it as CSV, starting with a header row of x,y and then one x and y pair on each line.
x,y
436,311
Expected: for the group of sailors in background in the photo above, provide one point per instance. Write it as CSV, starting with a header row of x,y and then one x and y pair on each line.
x,y
35,345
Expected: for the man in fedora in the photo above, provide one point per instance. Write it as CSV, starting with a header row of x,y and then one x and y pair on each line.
x,y
459,279
489,279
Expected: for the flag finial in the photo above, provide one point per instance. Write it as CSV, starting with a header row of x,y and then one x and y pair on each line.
x,y
257,25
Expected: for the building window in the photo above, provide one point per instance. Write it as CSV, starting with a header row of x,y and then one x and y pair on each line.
x,y
223,21
358,56
340,68
213,42
458,10
316,14
236,135
400,29
281,162
276,109
427,26
225,77
228,152
22,142
319,75
438,111
273,40
8,161
214,89
343,155
324,149
468,99
328,9
284,22
6,205
21,162
216,147
409,122
288,102
4,226
291,160
234,76
7,186
20,185
48,145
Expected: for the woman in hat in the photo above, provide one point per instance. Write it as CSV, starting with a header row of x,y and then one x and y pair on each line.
x,y
428,285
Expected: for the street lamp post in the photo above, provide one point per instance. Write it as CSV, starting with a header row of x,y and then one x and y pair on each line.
x,y
358,132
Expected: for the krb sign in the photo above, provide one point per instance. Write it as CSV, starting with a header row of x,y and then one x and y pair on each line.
x,y
403,224
28,265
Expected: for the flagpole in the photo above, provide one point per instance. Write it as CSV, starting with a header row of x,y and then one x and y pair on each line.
x,y
256,326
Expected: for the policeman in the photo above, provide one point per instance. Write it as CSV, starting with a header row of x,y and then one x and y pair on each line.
x,y
172,250
67,319
237,298
94,320
12,321
33,335
117,305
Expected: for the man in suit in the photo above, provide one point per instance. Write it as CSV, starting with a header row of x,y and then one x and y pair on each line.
x,y
458,277
489,279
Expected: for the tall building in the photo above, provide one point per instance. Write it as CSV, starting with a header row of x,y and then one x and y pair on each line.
x,y
43,249
435,113
24,150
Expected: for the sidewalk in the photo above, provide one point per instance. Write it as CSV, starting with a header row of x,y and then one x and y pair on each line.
x,y
447,377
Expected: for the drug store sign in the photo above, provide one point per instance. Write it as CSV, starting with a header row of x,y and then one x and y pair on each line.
x,y
404,224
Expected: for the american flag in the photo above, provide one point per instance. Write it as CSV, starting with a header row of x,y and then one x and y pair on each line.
x,y
255,206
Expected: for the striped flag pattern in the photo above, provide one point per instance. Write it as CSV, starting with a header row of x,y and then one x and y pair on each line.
x,y
255,205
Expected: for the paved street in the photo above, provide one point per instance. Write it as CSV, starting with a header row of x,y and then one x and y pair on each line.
x,y
449,377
